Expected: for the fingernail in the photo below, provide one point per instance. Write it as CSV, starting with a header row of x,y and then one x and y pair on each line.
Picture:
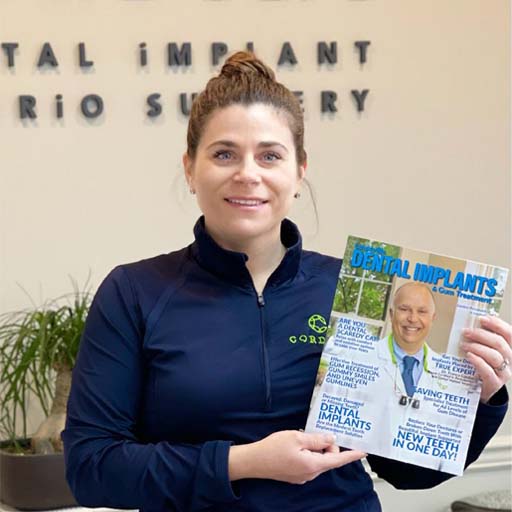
x,y
329,438
466,331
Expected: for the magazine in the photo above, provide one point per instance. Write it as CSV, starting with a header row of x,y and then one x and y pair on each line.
x,y
392,379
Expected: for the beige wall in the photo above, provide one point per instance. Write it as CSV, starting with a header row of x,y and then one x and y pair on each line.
x,y
427,165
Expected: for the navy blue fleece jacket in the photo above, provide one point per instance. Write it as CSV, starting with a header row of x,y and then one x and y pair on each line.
x,y
180,359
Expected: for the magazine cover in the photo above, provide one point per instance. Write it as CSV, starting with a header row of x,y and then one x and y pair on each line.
x,y
392,380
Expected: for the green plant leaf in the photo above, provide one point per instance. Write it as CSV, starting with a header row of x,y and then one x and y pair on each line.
x,y
34,343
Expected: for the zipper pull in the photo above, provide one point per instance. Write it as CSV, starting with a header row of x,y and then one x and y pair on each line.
x,y
261,300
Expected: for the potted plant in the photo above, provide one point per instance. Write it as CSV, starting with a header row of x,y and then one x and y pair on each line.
x,y
38,349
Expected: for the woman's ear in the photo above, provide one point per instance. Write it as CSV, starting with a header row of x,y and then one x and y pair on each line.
x,y
302,170
303,166
187,166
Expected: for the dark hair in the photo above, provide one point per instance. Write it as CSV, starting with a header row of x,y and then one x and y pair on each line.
x,y
245,80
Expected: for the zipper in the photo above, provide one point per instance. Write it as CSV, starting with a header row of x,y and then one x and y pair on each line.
x,y
266,364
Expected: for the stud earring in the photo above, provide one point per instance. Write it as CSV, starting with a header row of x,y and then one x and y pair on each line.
x,y
192,191
296,195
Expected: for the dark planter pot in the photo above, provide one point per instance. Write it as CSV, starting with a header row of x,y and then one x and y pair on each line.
x,y
34,482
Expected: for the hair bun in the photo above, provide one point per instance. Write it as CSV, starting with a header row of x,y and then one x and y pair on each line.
x,y
241,63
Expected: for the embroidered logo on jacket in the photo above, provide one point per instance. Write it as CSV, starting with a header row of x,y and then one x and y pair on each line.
x,y
318,325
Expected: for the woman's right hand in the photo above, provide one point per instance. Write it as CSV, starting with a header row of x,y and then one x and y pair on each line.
x,y
289,456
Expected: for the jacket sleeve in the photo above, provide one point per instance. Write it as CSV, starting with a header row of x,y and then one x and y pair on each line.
x,y
106,464
409,476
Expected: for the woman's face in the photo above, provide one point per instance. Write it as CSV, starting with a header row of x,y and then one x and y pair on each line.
x,y
245,173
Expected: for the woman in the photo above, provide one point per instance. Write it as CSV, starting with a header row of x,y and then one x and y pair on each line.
x,y
188,393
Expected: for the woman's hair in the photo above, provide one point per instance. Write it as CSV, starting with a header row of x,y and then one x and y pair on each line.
x,y
245,80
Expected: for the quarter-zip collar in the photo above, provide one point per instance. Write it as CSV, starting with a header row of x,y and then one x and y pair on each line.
x,y
231,265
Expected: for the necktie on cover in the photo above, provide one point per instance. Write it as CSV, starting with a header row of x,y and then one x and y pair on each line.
x,y
409,363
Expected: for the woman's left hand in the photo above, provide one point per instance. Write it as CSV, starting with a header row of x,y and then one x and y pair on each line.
x,y
489,350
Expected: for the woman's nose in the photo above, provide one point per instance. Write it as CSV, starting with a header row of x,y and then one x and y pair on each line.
x,y
248,172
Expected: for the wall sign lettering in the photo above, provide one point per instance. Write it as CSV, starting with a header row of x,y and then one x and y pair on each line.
x,y
179,55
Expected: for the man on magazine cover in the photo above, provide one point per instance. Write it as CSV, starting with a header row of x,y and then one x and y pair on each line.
x,y
405,351
409,374
409,394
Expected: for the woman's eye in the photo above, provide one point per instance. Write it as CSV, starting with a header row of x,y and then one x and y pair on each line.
x,y
271,157
222,154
